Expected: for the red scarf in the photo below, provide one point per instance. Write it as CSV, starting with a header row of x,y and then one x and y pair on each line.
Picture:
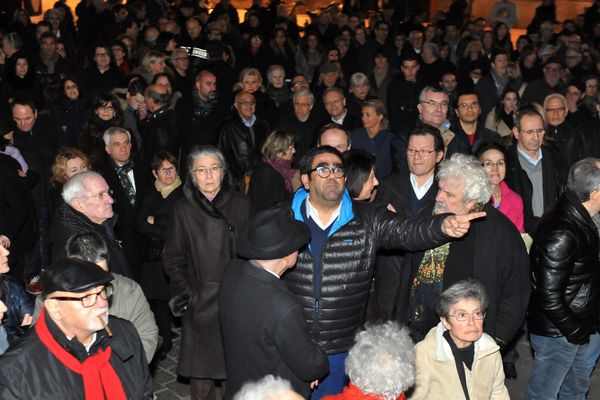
x,y
99,377
352,392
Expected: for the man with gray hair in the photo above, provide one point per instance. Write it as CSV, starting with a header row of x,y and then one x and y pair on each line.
x,y
380,364
491,252
87,207
566,288
304,123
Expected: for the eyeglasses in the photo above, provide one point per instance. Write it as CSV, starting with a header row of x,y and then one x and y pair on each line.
x,y
181,58
530,132
247,103
420,153
204,171
106,108
90,299
557,109
324,171
462,315
299,83
168,170
100,196
435,104
469,105
491,164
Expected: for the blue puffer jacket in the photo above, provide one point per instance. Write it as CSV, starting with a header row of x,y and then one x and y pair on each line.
x,y
334,297
18,302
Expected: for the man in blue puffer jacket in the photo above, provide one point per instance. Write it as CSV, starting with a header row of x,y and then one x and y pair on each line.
x,y
333,273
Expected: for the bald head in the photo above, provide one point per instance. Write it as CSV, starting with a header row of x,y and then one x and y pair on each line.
x,y
335,136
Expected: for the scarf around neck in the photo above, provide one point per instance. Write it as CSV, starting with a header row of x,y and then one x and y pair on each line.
x,y
165,190
99,377
284,167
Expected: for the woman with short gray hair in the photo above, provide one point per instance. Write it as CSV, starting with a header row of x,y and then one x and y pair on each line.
x,y
456,359
201,238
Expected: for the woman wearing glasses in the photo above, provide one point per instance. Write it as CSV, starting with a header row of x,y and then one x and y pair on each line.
x,y
151,223
509,203
456,359
201,238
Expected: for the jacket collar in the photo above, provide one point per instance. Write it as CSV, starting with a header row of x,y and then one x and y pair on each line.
x,y
346,211
443,353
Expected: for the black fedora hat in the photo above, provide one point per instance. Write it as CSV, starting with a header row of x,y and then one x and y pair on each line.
x,y
273,234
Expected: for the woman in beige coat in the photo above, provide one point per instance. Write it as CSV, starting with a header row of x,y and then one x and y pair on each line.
x,y
456,356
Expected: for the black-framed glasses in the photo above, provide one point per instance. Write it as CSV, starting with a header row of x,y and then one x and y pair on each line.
x,y
100,196
89,300
324,171
463,315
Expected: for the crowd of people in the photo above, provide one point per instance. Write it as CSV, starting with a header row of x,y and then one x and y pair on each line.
x,y
310,201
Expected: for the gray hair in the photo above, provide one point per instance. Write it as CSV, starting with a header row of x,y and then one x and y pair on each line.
x,y
555,96
434,48
114,130
477,186
272,69
304,92
268,388
150,57
358,79
176,52
205,151
467,289
584,178
75,187
382,361
432,89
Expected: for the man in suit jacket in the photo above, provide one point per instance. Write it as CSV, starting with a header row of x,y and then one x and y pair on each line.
x,y
263,325
411,193
126,179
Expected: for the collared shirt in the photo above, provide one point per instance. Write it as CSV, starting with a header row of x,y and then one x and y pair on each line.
x,y
257,265
340,121
250,123
532,161
420,191
312,212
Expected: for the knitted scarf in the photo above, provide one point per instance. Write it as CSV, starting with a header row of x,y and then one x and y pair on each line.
x,y
99,377
165,190
284,167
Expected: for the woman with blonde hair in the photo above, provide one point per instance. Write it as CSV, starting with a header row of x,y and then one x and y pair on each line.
x,y
251,81
68,162
154,62
374,137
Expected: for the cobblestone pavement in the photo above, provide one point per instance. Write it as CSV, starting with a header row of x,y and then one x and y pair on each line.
x,y
167,386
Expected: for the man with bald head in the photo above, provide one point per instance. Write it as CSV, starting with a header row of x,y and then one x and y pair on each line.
x,y
159,129
334,135
199,113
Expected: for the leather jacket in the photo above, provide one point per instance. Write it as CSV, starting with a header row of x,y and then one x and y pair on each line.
x,y
565,273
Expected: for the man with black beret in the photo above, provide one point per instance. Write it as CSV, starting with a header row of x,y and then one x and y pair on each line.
x,y
263,325
76,350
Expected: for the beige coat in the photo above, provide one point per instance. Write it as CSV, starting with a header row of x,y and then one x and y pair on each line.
x,y
436,376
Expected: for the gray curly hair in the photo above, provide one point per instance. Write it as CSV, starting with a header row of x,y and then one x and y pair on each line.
x,y
382,361
477,184
268,388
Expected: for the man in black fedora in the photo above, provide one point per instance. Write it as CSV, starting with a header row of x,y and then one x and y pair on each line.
x,y
263,325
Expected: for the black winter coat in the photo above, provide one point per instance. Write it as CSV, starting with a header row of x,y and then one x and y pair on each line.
x,y
240,146
68,222
565,273
554,178
53,380
267,187
159,132
264,331
335,307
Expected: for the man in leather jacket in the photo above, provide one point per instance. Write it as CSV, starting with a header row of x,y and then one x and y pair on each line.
x,y
241,137
563,311
333,274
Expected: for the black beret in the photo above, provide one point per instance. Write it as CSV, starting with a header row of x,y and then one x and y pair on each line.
x,y
72,275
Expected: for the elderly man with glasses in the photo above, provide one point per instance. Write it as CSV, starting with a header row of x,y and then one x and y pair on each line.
x,y
88,206
77,350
